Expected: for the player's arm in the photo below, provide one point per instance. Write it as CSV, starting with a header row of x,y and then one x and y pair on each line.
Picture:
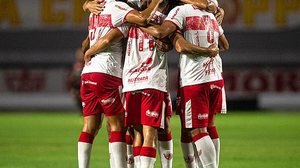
x,y
94,6
85,44
164,45
223,43
103,43
202,4
161,31
142,18
220,15
183,46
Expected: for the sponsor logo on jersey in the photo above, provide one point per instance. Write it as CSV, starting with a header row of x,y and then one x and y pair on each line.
x,y
137,79
88,82
202,116
145,66
121,8
208,67
212,86
108,101
152,114
176,12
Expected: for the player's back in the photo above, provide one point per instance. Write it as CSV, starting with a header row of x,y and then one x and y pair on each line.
x,y
200,28
145,67
111,17
108,61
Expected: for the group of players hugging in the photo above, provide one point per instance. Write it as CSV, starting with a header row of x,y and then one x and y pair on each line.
x,y
125,79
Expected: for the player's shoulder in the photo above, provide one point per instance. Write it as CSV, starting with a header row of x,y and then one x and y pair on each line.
x,y
119,4
184,7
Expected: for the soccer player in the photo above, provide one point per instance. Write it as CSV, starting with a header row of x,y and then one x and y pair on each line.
x,y
145,85
75,75
144,78
201,80
101,78
165,144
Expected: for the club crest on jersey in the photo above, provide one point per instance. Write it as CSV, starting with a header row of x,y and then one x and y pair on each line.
x,y
152,114
189,159
129,160
168,155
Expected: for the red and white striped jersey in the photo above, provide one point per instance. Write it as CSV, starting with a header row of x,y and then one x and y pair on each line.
x,y
108,61
145,67
199,28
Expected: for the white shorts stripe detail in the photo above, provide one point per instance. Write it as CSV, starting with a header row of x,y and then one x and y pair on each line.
x,y
188,114
163,115
224,105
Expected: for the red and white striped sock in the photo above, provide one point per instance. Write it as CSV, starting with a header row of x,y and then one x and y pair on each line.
x,y
188,151
147,157
85,144
206,150
129,158
165,149
216,140
117,149
136,150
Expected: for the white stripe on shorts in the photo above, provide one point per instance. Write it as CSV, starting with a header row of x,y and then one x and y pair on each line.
x,y
224,105
188,114
163,115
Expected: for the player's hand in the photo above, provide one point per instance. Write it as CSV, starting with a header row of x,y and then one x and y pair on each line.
x,y
87,58
220,15
163,46
213,50
212,8
95,7
158,1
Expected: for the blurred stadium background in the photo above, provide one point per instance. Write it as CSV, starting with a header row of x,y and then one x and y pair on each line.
x,y
38,41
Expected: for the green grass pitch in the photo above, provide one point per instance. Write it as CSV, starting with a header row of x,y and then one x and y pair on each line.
x,y
49,140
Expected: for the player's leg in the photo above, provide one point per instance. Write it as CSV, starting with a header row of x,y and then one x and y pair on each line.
x,y
148,151
196,99
152,117
91,125
213,133
217,105
92,113
187,147
205,148
129,144
165,140
133,120
165,145
111,159
137,145
117,140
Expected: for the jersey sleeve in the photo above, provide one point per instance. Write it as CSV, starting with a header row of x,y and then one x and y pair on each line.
x,y
120,10
221,30
176,16
124,29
